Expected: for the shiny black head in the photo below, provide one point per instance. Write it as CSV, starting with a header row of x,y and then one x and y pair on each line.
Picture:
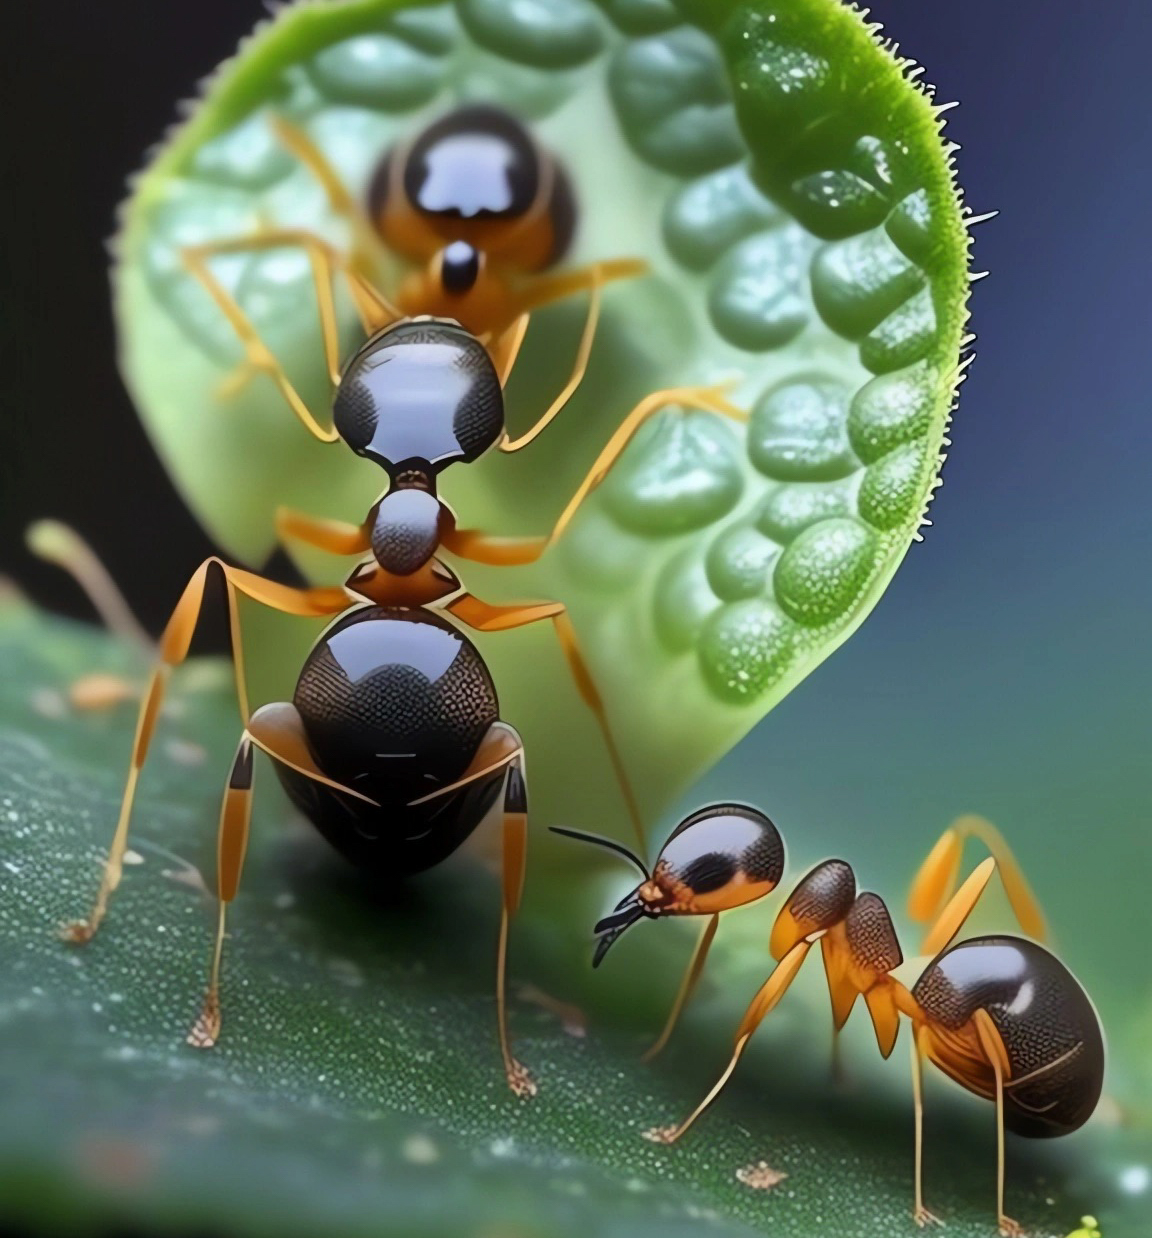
x,y
478,162
421,394
1048,1025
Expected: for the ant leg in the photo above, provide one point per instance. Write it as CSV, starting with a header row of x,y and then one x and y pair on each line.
x,y
993,1047
505,348
545,290
231,845
514,552
959,907
920,1214
709,399
936,879
881,1003
375,312
173,649
498,551
579,369
502,747
337,537
515,835
273,732
482,617
365,246
761,1005
687,985
842,992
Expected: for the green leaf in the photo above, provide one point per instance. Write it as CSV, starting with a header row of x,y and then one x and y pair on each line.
x,y
786,179
357,1088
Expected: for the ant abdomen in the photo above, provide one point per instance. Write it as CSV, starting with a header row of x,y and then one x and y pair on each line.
x,y
394,704
478,176
1049,1028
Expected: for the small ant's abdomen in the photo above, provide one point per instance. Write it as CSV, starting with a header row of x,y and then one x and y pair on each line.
x,y
394,704
478,176
1050,1030
720,857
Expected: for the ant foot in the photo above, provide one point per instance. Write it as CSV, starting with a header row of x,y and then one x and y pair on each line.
x,y
923,1217
520,1080
660,1134
77,932
206,1030
1010,1228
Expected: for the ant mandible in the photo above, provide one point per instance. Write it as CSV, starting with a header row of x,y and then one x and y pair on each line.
x,y
392,744
1000,1015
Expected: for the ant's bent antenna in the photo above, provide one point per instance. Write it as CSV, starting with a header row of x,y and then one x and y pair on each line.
x,y
600,841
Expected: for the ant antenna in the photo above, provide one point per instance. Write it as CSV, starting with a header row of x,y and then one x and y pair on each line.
x,y
610,843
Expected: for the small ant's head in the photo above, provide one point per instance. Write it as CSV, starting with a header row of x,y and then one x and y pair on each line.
x,y
424,390
719,857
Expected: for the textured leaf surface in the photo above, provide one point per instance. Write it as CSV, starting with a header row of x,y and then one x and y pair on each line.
x,y
357,1088
788,184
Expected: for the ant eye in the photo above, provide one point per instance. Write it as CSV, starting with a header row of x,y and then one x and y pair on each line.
x,y
459,268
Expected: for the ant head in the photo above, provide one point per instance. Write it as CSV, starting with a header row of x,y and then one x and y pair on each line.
x,y
423,390
719,857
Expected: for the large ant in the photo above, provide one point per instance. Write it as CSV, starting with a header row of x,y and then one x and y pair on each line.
x,y
1000,1015
392,744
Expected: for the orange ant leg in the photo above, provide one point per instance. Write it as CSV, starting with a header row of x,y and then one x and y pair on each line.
x,y
708,399
273,734
936,880
545,290
502,747
367,252
497,551
337,537
687,985
482,617
579,369
515,838
994,1050
505,347
920,1214
174,645
959,907
231,846
761,1005
375,312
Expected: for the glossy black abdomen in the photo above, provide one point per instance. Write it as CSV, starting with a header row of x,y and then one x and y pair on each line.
x,y
1050,1030
394,703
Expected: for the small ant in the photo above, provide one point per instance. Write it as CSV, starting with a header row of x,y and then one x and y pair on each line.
x,y
475,199
1000,1015
392,744
720,857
